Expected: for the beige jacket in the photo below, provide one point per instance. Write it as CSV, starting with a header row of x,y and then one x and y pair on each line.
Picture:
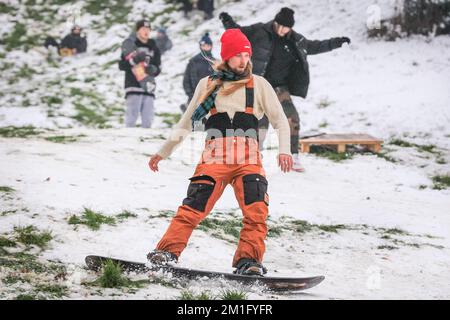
x,y
265,101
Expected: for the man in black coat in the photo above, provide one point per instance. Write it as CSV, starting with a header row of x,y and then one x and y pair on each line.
x,y
280,56
75,41
141,61
198,68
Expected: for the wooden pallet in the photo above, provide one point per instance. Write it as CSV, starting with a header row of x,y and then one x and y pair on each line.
x,y
341,141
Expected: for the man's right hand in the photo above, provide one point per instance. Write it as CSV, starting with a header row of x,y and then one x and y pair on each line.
x,y
153,163
224,16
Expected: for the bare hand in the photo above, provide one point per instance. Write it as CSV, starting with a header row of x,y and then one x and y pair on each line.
x,y
153,163
285,162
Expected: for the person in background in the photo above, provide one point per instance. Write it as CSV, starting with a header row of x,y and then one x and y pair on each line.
x,y
207,6
280,56
141,61
198,67
72,44
163,41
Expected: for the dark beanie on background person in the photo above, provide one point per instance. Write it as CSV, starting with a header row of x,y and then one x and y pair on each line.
x,y
285,17
142,23
234,42
205,39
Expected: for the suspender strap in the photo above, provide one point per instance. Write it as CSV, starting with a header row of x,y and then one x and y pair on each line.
x,y
249,96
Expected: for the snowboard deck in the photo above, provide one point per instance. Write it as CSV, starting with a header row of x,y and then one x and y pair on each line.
x,y
95,263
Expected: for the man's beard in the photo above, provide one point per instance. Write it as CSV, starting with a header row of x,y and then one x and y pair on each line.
x,y
239,71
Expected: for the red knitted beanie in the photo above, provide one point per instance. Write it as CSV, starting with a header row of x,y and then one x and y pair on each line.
x,y
234,42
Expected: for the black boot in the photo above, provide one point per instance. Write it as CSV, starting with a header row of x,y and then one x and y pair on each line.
x,y
250,267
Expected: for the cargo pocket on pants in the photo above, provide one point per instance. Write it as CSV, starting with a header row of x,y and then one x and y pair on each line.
x,y
255,189
199,192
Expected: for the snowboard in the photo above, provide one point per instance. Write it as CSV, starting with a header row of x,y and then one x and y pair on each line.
x,y
95,263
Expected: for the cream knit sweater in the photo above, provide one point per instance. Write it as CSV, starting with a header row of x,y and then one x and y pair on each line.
x,y
265,101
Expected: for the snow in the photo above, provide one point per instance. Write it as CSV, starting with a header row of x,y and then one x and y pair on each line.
x,y
387,89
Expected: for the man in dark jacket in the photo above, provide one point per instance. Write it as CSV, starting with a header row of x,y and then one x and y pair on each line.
x,y
75,41
141,61
198,68
72,44
280,55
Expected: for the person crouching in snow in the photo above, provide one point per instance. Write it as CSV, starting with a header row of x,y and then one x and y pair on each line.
x,y
235,99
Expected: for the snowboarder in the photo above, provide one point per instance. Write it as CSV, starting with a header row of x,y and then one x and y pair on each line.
x,y
73,43
280,56
235,99
163,41
141,60
198,67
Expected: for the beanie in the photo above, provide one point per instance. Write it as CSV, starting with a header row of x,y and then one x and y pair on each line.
x,y
142,23
285,17
234,42
205,39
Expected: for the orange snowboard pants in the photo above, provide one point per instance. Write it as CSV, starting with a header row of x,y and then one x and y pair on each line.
x,y
230,160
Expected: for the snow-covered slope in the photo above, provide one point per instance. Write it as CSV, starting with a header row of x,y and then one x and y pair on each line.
x,y
376,227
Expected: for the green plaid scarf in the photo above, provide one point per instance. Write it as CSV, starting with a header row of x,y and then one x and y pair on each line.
x,y
204,107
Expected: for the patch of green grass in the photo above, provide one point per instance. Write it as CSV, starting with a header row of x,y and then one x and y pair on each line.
x,y
30,235
5,242
441,182
6,9
301,226
112,277
63,139
14,278
26,297
189,295
387,247
7,189
228,226
163,282
323,124
108,64
401,143
90,117
233,295
170,118
126,215
396,231
113,48
324,103
52,100
16,38
331,227
91,219
164,214
386,157
331,154
274,232
52,290
26,72
18,132
426,148
22,262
